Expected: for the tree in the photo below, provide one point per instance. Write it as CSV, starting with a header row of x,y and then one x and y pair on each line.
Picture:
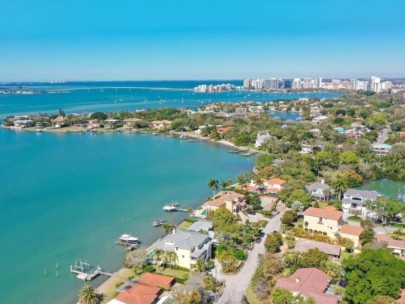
x,y
298,195
387,209
213,184
340,186
254,201
312,258
332,269
372,273
289,217
170,258
382,300
224,185
88,295
297,206
283,296
273,242
167,227
367,236
184,295
98,116
349,158
136,259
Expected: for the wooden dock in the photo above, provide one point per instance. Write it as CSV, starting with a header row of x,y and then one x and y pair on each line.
x,y
82,271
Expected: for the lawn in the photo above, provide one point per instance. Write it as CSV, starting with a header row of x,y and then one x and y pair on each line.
x,y
354,218
180,275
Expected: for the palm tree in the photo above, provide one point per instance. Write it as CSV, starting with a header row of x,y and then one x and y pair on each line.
x,y
213,185
88,295
224,185
171,258
158,255
340,186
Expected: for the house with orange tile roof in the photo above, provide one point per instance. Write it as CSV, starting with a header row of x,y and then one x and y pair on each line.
x,y
351,232
161,124
309,283
230,200
274,185
146,290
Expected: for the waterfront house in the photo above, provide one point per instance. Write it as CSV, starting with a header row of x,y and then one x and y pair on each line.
x,y
327,220
262,137
320,119
381,149
354,201
397,246
130,122
161,124
203,226
23,123
230,200
112,124
188,246
319,191
309,282
93,123
146,290
223,130
305,245
59,121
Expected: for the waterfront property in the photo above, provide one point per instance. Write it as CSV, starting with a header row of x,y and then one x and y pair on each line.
x,y
354,201
112,124
187,245
230,200
309,282
381,149
161,124
262,137
201,225
147,290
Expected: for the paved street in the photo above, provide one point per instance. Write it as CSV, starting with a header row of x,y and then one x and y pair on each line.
x,y
236,285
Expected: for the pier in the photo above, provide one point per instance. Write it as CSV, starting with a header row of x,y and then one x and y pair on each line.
x,y
83,271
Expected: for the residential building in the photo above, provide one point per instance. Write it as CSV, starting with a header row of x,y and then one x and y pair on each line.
x,y
161,124
112,124
93,123
320,119
327,220
59,121
146,290
230,200
397,246
354,201
262,137
305,245
274,185
320,191
188,246
23,123
130,122
374,84
201,226
381,149
351,232
309,282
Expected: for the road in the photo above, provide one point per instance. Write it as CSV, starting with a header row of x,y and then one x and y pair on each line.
x,y
236,285
383,136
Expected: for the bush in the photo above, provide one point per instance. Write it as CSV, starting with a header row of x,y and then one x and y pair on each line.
x,y
273,242
149,268
289,217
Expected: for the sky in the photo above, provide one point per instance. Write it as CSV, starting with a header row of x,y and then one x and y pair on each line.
x,y
54,40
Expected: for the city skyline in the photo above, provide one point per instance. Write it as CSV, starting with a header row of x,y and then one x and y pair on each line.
x,y
125,40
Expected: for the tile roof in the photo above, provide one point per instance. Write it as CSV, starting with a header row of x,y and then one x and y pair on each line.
x,y
157,280
329,212
220,200
351,229
390,241
276,181
309,282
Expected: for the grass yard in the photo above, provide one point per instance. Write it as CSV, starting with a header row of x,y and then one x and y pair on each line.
x,y
180,275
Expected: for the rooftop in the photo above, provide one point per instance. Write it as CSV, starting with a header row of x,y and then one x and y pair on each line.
x,y
220,199
351,229
385,238
362,193
182,239
276,181
329,212
201,225
305,245
310,282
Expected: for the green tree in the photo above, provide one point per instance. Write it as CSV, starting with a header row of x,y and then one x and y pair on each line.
x,y
184,295
88,295
367,236
98,116
312,258
382,300
213,184
273,242
340,186
136,259
289,217
373,273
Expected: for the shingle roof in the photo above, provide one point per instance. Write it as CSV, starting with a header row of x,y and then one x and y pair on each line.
x,y
390,241
363,193
310,282
351,229
182,239
329,212
200,225
318,185
305,245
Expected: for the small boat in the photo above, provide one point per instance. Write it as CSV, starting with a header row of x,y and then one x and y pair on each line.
x,y
158,223
127,239
233,151
171,207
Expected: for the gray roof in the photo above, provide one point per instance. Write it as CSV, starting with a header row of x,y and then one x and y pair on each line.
x,y
203,225
305,245
372,195
182,239
318,185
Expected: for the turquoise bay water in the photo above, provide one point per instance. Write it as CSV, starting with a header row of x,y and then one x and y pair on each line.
x,y
66,197
386,187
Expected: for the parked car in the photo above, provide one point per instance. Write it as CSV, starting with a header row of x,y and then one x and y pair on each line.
x,y
258,240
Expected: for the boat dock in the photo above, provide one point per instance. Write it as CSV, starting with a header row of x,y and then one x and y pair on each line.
x,y
83,271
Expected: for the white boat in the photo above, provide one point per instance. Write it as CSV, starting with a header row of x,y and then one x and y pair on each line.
x,y
128,239
171,207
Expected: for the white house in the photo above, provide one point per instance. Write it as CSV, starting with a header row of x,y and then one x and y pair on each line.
x,y
261,138
355,201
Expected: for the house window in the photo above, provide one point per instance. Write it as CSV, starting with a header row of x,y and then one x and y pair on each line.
x,y
182,256
306,224
320,221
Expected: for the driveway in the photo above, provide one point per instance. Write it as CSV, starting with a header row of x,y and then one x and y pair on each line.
x,y
236,285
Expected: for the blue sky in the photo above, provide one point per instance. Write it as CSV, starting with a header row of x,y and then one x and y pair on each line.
x,y
191,39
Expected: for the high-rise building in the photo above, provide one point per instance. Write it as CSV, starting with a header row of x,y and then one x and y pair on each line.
x,y
246,84
374,84
296,84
